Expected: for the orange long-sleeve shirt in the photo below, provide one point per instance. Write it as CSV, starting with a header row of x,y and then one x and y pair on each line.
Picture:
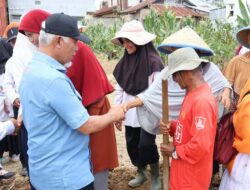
x,y
194,140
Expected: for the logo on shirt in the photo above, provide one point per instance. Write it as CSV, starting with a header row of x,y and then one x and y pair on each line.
x,y
178,132
183,115
200,122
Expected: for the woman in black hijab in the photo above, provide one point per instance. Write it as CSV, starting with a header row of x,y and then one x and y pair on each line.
x,y
134,73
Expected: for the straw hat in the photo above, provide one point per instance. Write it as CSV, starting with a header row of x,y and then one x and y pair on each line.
x,y
243,36
135,32
183,59
185,37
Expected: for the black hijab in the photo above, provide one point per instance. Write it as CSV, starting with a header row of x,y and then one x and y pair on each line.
x,y
5,53
133,70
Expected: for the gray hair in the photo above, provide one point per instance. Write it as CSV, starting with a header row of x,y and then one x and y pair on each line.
x,y
45,39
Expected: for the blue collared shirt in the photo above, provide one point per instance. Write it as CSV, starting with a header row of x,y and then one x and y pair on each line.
x,y
52,112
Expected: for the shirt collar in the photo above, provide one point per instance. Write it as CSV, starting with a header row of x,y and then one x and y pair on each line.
x,y
50,61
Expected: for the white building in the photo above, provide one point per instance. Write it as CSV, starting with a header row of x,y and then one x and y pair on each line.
x,y
76,8
100,3
229,12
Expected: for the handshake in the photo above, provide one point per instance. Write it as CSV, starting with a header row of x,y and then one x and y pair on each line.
x,y
123,108
118,114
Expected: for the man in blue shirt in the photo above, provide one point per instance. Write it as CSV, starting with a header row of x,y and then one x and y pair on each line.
x,y
58,125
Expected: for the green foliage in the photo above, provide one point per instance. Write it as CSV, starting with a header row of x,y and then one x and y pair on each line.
x,y
101,36
244,19
218,35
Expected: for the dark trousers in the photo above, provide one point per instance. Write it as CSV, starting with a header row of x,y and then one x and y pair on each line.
x,y
24,146
88,187
141,146
20,146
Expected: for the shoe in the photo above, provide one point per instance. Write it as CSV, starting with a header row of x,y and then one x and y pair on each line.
x,y
140,177
14,158
5,174
155,177
23,172
4,160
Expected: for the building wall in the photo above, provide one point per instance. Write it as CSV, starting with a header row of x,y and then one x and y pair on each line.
x,y
77,8
114,2
229,13
3,16
232,7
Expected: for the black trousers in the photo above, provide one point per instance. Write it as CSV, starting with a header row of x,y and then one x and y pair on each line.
x,y
141,146
20,146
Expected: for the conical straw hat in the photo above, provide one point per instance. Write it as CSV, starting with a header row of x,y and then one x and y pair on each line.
x,y
185,37
243,36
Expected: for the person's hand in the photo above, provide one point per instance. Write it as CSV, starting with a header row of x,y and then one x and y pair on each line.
x,y
17,127
117,113
118,125
224,98
167,150
20,121
125,106
16,102
164,128
6,107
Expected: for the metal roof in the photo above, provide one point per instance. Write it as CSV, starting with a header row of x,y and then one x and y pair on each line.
x,y
179,11
138,6
105,11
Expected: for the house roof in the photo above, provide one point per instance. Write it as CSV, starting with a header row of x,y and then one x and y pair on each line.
x,y
179,11
138,6
105,11
184,11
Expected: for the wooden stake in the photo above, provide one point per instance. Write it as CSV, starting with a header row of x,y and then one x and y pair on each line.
x,y
165,114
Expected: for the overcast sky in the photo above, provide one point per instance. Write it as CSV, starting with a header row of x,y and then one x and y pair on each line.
x,y
97,3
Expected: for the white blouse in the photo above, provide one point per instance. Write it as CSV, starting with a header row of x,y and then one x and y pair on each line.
x,y
121,97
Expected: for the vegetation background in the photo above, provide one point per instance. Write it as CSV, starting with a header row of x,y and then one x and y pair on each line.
x,y
219,35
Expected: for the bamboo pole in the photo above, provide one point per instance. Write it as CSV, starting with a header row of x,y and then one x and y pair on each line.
x,y
165,137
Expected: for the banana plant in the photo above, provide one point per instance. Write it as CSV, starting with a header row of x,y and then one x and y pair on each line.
x,y
244,19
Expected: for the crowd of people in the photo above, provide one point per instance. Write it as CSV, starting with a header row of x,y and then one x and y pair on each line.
x,y
56,117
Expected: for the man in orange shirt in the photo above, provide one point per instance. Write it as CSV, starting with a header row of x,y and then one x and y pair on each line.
x,y
194,131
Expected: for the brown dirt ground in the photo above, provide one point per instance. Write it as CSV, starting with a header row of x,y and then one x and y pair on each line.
x,y
118,178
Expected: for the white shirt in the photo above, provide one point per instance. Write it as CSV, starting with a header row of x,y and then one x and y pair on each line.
x,y
22,54
6,128
4,104
121,97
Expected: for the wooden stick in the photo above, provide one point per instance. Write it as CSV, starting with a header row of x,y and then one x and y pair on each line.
x,y
165,114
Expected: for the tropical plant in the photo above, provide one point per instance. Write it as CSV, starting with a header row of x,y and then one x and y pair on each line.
x,y
244,19
101,36
218,35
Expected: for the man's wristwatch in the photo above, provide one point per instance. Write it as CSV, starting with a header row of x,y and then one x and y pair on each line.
x,y
174,154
